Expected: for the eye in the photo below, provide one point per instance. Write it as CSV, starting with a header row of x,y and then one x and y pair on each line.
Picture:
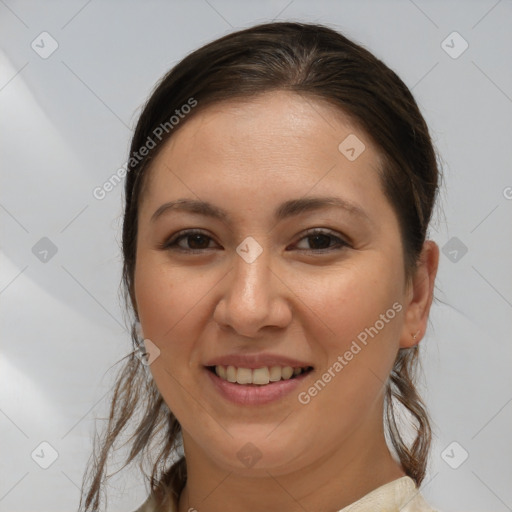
x,y
194,241
322,239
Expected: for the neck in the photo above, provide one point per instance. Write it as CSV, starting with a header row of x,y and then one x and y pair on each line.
x,y
352,469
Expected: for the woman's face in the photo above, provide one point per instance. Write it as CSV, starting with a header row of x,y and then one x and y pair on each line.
x,y
252,288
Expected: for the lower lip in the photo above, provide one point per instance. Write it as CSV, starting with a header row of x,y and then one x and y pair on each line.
x,y
253,394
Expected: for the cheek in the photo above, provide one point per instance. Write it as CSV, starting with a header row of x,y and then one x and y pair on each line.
x,y
169,304
173,310
356,315
356,322
165,295
346,302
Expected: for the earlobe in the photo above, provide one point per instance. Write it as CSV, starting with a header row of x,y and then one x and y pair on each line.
x,y
420,296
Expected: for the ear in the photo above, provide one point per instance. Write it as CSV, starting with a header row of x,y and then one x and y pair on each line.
x,y
419,296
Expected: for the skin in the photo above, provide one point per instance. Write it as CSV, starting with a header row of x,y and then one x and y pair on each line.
x,y
297,298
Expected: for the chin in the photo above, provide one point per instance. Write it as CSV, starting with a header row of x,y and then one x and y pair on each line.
x,y
257,455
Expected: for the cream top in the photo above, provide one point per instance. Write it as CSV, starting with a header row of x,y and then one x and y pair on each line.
x,y
400,495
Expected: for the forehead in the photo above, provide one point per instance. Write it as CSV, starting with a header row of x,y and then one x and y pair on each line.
x,y
285,124
276,145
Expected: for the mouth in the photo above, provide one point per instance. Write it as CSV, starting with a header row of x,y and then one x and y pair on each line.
x,y
258,377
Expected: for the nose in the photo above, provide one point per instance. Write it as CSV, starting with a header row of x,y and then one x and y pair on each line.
x,y
254,299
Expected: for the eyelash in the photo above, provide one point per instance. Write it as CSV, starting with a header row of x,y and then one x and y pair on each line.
x,y
171,244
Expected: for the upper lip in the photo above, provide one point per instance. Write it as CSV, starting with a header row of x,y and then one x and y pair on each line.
x,y
254,361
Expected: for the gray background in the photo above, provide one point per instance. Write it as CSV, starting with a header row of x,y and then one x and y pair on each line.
x,y
66,126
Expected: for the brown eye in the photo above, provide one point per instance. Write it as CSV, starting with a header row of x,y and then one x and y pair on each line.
x,y
197,241
320,240
194,241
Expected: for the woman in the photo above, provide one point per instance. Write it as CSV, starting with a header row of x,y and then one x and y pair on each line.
x,y
281,182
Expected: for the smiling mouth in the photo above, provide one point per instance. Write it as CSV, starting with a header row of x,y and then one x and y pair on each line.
x,y
266,375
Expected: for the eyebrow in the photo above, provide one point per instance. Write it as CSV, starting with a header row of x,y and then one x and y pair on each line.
x,y
285,210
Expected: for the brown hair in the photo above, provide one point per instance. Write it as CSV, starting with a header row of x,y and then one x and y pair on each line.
x,y
319,64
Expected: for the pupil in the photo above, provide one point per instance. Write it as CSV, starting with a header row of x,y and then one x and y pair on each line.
x,y
194,239
325,237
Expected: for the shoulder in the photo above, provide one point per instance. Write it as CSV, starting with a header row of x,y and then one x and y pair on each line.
x,y
410,496
150,506
399,495
147,506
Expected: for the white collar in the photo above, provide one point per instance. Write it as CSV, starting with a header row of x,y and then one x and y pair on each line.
x,y
400,495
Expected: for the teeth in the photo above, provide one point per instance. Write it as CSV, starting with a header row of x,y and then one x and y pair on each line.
x,y
275,373
259,376
244,376
286,372
221,372
230,373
